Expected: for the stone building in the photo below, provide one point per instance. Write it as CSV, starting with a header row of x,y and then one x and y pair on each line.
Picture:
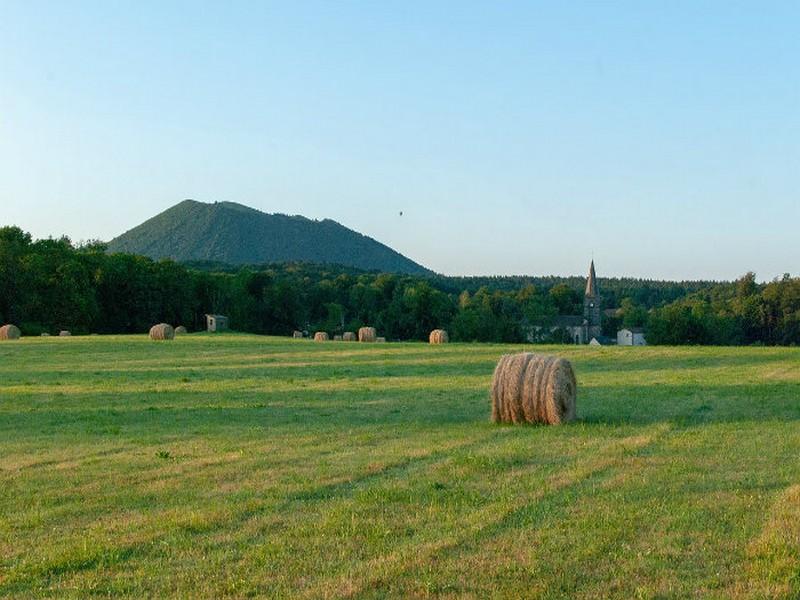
x,y
216,323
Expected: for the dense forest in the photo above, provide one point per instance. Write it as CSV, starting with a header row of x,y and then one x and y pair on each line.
x,y
48,285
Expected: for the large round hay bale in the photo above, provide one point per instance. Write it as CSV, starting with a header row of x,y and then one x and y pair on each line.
x,y
438,336
162,331
298,335
64,333
10,332
337,338
181,330
320,336
533,388
349,336
367,334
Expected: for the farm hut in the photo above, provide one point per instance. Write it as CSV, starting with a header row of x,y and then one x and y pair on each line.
x,y
298,335
438,336
162,331
181,330
216,323
533,388
367,334
64,333
349,336
320,336
10,332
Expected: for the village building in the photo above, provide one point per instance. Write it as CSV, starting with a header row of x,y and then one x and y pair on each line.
x,y
631,336
215,323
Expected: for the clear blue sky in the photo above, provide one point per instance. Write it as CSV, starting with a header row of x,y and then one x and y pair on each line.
x,y
516,137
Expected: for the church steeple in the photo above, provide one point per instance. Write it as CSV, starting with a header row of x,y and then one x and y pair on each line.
x,y
591,282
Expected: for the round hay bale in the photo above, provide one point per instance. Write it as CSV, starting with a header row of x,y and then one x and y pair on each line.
x,y
10,332
162,331
367,334
64,333
533,388
45,334
298,335
337,338
320,336
438,336
181,330
380,340
349,336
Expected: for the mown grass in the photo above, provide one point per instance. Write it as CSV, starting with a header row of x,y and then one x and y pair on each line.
x,y
243,466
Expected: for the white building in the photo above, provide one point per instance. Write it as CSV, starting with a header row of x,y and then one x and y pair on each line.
x,y
216,322
633,336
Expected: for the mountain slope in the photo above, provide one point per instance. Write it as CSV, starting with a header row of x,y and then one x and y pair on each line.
x,y
231,233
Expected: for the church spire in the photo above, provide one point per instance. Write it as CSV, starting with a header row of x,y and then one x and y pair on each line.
x,y
591,282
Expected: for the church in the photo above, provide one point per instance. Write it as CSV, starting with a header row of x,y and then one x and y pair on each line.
x,y
582,329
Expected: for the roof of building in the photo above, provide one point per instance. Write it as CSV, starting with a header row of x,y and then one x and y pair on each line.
x,y
591,282
633,329
568,321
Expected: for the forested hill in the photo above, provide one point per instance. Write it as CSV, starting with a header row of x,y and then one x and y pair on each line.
x,y
231,233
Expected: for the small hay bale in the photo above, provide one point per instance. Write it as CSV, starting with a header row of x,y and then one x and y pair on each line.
x,y
45,334
337,338
162,331
181,330
438,336
349,336
298,335
320,336
533,388
10,332
64,333
380,340
367,334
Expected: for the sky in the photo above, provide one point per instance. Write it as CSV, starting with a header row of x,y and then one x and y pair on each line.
x,y
660,137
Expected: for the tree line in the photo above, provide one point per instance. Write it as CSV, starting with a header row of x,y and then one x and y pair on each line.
x,y
52,284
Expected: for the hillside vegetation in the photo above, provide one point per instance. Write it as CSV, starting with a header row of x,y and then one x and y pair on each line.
x,y
234,234
240,466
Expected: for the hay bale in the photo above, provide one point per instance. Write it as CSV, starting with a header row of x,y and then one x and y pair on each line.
x,y
380,340
367,334
349,336
438,336
181,330
320,336
337,338
162,331
64,333
45,334
10,332
533,388
298,335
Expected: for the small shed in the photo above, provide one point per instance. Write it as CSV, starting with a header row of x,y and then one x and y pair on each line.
x,y
631,336
215,323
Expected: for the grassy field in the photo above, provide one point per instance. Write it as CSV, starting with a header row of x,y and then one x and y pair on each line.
x,y
240,466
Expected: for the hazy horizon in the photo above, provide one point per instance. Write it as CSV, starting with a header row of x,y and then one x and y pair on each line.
x,y
515,139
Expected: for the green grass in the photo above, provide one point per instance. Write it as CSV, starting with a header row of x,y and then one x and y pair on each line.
x,y
238,466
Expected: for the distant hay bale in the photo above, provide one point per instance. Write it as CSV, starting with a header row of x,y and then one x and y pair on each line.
x,y
298,335
45,334
337,338
181,330
367,334
438,336
380,340
320,336
10,332
533,388
64,333
162,331
349,336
